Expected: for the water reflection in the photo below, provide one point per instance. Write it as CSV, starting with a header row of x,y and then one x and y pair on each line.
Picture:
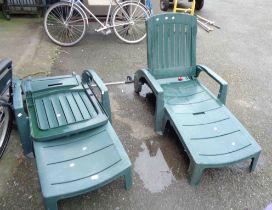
x,y
152,167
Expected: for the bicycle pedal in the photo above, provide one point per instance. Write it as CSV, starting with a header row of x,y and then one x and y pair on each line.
x,y
106,32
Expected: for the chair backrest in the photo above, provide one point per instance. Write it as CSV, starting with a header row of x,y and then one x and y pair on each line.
x,y
171,45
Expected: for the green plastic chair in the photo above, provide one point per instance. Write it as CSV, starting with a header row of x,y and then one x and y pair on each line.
x,y
209,132
68,129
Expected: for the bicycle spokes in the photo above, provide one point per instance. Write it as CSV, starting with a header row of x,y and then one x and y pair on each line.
x,y
129,22
65,24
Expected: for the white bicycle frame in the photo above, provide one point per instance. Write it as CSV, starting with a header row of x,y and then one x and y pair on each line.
x,y
106,25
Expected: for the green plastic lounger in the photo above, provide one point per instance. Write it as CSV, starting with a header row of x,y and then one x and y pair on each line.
x,y
209,132
62,122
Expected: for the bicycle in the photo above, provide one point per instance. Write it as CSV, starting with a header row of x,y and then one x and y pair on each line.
x,y
5,104
65,22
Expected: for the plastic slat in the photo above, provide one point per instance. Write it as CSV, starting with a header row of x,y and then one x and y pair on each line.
x,y
41,114
82,146
182,90
88,104
84,111
221,145
202,118
210,130
196,108
83,167
58,110
166,44
171,44
160,55
191,99
73,106
66,109
50,113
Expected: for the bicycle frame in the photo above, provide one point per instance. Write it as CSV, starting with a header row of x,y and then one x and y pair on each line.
x,y
5,75
106,25
5,101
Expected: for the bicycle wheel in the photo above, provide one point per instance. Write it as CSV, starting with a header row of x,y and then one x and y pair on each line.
x,y
65,25
5,127
128,22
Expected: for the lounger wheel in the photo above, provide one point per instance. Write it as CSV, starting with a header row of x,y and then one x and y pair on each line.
x,y
164,5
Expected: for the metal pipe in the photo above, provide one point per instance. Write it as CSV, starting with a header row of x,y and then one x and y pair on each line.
x,y
204,26
128,81
208,21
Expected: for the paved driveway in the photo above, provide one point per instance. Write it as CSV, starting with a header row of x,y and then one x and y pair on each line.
x,y
240,52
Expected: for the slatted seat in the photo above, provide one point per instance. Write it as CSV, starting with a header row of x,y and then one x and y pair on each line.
x,y
61,103
75,146
209,132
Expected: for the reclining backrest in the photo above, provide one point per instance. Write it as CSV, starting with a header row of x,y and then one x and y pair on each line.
x,y
171,45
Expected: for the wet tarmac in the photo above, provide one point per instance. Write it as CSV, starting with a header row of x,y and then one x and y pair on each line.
x,y
239,52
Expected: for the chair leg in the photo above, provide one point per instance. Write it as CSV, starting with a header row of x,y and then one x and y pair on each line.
x,y
159,114
128,179
195,173
51,204
254,162
164,122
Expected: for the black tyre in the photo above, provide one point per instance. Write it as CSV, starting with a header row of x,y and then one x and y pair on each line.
x,y
164,5
65,25
199,4
5,127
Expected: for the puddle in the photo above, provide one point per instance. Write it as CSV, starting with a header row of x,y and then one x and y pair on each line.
x,y
152,167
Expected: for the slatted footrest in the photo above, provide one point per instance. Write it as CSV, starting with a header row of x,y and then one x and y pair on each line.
x,y
210,133
80,163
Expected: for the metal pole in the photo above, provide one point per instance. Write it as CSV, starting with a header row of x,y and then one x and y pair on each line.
x,y
204,26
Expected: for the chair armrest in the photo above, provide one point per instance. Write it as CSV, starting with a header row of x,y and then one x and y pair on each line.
x,y
21,117
222,95
157,90
90,75
152,82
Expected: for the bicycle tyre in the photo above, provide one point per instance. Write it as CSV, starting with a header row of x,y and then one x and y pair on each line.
x,y
199,4
164,5
5,127
118,29
58,12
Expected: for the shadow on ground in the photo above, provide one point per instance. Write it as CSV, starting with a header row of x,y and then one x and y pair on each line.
x,y
238,52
